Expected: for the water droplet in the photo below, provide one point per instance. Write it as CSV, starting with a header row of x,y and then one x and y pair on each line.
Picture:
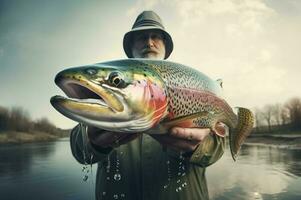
x,y
183,174
122,195
117,177
104,193
165,186
180,188
177,190
85,178
108,178
115,196
178,181
179,173
167,162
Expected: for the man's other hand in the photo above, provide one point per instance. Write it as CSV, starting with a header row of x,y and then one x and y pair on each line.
x,y
186,139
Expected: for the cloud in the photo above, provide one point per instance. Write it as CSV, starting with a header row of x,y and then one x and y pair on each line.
x,y
240,41
248,14
142,5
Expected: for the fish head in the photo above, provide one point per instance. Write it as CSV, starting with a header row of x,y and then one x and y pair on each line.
x,y
115,98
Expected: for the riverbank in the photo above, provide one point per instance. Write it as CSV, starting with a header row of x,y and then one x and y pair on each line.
x,y
22,137
279,140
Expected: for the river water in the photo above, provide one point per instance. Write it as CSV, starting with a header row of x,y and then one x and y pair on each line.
x,y
48,171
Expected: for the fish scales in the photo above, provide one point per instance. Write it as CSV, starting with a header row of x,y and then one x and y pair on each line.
x,y
190,91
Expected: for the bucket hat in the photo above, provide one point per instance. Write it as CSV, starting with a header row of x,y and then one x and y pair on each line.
x,y
147,20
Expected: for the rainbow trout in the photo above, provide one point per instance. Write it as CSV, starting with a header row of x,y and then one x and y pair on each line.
x,y
150,96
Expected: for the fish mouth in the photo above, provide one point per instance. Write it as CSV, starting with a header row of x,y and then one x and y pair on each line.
x,y
87,100
79,93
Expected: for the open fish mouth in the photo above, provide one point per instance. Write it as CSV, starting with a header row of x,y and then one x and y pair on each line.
x,y
86,99
79,93
95,102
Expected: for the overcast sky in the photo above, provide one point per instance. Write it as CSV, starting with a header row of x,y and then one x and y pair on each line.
x,y
253,45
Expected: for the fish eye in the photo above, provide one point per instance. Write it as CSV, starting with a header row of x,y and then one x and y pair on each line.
x,y
116,79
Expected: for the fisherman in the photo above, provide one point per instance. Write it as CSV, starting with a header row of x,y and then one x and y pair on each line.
x,y
141,166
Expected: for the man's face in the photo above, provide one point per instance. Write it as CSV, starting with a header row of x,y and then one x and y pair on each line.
x,y
148,44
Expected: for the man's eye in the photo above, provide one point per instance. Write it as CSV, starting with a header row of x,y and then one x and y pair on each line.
x,y
157,37
141,37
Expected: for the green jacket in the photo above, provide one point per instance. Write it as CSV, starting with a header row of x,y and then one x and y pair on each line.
x,y
142,170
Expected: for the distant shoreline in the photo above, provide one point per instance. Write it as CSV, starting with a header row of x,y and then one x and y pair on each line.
x,y
11,137
277,140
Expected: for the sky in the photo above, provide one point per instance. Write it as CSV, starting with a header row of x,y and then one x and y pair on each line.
x,y
254,46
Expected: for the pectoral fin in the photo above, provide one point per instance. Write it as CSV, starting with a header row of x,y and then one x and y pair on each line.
x,y
190,121
186,121
242,130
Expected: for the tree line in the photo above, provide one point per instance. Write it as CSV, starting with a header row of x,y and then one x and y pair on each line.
x,y
18,119
279,117
269,118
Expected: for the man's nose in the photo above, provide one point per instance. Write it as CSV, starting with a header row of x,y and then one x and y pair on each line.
x,y
149,42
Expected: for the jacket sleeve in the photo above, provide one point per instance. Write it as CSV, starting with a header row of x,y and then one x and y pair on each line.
x,y
82,149
209,151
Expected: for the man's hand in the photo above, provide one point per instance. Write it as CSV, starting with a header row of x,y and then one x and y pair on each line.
x,y
104,139
185,139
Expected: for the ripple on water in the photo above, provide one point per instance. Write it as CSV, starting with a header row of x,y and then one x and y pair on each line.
x,y
259,173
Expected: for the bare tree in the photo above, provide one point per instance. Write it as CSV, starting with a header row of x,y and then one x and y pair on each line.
x,y
276,112
19,120
267,115
45,125
285,115
3,119
294,108
258,118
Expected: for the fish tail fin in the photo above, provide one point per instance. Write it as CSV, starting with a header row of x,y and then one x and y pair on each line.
x,y
242,130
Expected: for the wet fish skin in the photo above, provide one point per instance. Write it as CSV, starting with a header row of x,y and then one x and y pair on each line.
x,y
140,95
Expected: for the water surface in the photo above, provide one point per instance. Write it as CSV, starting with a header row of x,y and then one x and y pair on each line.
x,y
261,172
48,171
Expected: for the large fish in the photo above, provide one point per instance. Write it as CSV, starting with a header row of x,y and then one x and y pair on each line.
x,y
150,96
